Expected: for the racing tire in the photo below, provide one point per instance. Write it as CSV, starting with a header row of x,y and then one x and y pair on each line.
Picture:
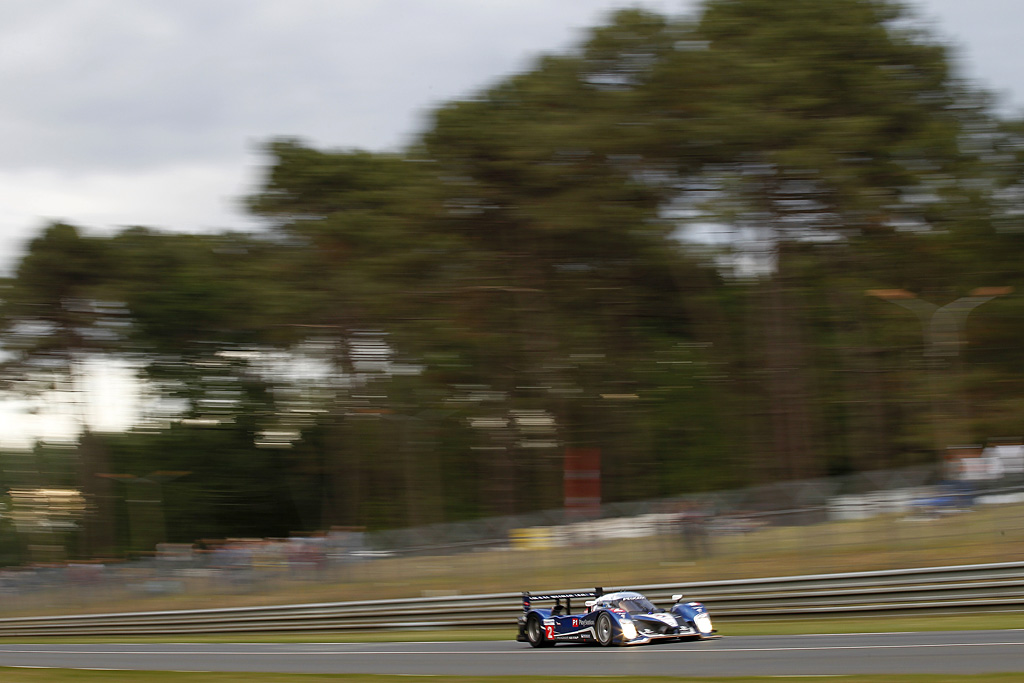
x,y
603,629
535,632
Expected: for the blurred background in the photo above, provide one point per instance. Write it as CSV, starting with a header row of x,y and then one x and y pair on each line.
x,y
703,279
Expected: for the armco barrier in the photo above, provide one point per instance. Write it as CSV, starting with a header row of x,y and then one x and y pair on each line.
x,y
962,588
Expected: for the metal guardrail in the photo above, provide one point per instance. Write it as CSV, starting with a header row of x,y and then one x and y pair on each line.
x,y
976,587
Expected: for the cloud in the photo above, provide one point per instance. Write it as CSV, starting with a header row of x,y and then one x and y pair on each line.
x,y
187,196
109,401
191,196
986,41
145,112
149,112
124,84
115,110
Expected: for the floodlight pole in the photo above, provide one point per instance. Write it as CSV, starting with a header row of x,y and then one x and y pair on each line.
x,y
942,327
138,534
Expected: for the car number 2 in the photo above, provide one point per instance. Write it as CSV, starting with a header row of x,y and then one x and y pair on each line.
x,y
549,631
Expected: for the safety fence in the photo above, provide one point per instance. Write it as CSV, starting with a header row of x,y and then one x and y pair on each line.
x,y
874,521
951,589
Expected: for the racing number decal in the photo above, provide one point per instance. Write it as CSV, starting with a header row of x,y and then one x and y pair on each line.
x,y
549,631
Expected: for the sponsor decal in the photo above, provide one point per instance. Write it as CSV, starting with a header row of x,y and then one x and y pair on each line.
x,y
555,596
584,629
666,618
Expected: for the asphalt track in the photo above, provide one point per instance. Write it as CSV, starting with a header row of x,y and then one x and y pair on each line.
x,y
959,652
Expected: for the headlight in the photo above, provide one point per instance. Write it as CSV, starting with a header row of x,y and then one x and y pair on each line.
x,y
628,630
703,623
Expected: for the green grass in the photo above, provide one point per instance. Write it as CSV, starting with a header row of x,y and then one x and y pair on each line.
x,y
889,624
726,627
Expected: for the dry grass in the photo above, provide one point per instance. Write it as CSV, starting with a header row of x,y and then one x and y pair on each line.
x,y
987,534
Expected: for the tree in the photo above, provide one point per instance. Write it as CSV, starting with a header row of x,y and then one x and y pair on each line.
x,y
57,317
829,116
514,283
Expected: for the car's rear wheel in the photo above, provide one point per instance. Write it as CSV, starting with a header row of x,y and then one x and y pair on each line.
x,y
535,632
604,629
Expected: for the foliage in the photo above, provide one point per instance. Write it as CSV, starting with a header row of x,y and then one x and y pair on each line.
x,y
418,337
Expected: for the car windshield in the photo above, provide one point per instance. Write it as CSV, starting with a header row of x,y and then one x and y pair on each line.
x,y
637,605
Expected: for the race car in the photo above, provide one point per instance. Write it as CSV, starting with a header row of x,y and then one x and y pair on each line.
x,y
618,618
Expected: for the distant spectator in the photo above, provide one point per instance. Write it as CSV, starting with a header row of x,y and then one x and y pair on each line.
x,y
694,529
991,466
965,468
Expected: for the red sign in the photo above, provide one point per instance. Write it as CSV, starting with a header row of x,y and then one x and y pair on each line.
x,y
583,480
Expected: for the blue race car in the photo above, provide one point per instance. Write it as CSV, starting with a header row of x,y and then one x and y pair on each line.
x,y
619,618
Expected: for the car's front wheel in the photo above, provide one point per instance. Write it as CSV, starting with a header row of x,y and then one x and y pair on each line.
x,y
604,629
535,632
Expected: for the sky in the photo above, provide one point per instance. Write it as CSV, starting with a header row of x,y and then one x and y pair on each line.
x,y
147,112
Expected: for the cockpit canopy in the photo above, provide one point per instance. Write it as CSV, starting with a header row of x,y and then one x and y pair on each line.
x,y
633,603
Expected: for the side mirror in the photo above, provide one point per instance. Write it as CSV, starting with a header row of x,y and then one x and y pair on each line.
x,y
590,604
677,597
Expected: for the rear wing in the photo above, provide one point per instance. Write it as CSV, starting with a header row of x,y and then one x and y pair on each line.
x,y
528,597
